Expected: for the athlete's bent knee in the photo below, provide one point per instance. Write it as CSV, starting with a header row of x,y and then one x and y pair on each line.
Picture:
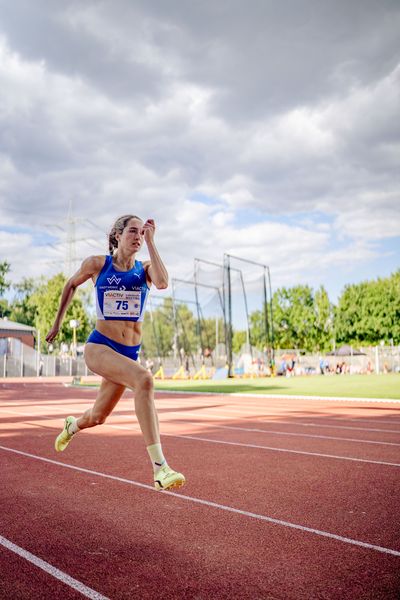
x,y
146,381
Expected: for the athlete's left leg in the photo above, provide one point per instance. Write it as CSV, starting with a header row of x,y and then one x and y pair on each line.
x,y
108,396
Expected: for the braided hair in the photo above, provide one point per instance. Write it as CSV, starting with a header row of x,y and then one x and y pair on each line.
x,y
118,227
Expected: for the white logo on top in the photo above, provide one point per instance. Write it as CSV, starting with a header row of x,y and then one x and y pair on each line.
x,y
113,279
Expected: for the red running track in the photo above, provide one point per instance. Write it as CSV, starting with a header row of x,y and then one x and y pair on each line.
x,y
285,499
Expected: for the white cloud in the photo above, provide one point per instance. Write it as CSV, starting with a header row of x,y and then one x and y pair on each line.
x,y
371,217
133,107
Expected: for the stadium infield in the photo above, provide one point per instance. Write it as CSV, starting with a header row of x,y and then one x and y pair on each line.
x,y
345,386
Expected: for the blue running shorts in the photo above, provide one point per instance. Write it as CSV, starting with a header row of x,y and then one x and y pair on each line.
x,y
131,352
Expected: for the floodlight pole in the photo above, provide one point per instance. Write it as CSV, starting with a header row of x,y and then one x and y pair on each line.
x,y
198,314
266,314
227,305
229,337
222,300
154,332
248,336
176,335
271,319
247,313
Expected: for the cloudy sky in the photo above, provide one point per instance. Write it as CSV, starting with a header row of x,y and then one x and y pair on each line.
x,y
264,129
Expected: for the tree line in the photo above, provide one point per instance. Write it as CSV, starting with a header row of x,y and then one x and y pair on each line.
x,y
366,313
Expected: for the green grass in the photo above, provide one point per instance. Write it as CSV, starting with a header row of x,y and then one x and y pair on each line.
x,y
352,386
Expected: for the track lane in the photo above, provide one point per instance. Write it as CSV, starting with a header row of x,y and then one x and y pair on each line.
x,y
145,539
380,453
288,465
293,431
115,443
276,475
328,447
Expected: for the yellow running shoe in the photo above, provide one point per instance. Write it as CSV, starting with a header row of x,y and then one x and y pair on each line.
x,y
167,479
64,438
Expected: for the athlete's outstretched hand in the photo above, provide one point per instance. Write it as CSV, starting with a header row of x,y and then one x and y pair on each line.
x,y
52,333
149,229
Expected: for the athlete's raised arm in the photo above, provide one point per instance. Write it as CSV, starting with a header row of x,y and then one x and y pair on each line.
x,y
155,270
88,269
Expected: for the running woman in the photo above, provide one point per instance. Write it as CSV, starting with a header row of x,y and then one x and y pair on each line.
x,y
122,285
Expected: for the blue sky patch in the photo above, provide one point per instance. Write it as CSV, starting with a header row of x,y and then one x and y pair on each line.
x,y
39,238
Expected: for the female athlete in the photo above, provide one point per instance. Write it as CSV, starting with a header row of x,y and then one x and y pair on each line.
x,y
122,285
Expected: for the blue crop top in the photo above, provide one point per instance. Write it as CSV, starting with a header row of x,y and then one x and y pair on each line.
x,y
121,295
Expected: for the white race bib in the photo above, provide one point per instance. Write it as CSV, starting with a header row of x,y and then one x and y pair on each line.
x,y
120,303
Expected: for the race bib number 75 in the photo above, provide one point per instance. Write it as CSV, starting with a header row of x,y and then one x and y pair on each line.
x,y
121,303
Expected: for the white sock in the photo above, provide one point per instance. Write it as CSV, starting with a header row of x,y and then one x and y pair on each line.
x,y
74,426
156,456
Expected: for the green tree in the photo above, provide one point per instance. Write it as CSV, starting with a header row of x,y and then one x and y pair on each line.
x,y
163,330
302,319
238,339
369,312
294,317
22,310
347,314
4,308
258,334
158,330
187,330
323,334
4,286
209,328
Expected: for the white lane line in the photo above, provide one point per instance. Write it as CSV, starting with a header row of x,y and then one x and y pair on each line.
x,y
275,432
375,422
32,403
307,435
25,414
251,412
227,418
211,504
247,414
271,448
278,421
326,398
282,396
201,439
51,570
324,426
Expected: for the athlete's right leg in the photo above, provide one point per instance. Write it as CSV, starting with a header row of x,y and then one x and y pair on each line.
x,y
108,396
125,372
